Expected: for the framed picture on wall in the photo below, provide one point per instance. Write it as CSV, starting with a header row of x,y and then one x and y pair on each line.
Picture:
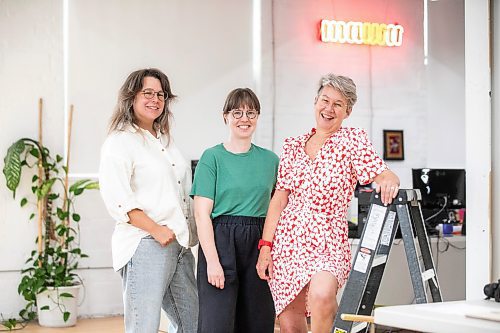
x,y
394,145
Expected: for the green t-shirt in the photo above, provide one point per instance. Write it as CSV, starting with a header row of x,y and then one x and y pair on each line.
x,y
239,184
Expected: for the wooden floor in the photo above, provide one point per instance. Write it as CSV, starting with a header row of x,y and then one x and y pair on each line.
x,y
115,325
94,325
108,324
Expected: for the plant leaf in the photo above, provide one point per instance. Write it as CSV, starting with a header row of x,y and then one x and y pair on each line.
x,y
92,186
10,323
45,307
12,167
68,295
83,184
45,188
66,316
34,152
24,201
31,315
60,214
78,184
53,196
76,217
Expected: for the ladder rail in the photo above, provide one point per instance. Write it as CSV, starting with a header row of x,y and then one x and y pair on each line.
x,y
415,237
373,252
411,254
379,262
425,250
375,243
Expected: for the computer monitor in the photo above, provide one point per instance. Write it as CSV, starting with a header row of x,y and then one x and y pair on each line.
x,y
435,184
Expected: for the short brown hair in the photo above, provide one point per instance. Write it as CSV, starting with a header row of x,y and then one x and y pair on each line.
x,y
241,97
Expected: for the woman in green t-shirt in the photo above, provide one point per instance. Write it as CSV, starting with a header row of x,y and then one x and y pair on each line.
x,y
232,189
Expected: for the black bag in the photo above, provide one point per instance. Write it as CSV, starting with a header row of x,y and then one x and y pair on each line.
x,y
492,290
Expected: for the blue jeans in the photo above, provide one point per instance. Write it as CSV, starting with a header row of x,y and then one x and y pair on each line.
x,y
159,278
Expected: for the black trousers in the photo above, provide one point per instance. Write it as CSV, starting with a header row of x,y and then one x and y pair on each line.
x,y
245,304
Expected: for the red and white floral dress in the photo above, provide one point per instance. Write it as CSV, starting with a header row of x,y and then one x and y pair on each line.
x,y
312,232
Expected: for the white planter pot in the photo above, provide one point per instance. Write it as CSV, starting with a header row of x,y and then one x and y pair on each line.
x,y
53,316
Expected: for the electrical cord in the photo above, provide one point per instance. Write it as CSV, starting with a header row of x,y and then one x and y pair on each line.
x,y
448,244
439,212
439,250
439,238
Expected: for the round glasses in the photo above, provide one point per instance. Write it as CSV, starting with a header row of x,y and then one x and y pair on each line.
x,y
150,93
237,113
335,105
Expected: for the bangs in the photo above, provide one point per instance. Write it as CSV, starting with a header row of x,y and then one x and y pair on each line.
x,y
241,97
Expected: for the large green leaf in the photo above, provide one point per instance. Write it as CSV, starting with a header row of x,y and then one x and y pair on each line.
x,y
85,184
92,186
12,167
45,188
82,184
78,184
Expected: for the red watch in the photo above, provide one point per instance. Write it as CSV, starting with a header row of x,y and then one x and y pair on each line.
x,y
264,243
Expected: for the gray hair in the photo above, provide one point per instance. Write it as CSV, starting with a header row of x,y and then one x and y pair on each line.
x,y
124,113
343,84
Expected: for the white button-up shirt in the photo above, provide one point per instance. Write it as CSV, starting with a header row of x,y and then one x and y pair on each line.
x,y
139,171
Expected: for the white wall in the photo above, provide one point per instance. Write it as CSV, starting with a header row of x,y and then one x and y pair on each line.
x,y
395,89
445,84
495,114
478,119
206,49
30,67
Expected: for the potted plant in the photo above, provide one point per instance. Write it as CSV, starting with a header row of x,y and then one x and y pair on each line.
x,y
49,281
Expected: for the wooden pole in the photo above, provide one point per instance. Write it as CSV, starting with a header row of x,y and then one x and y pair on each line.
x,y
355,317
66,178
40,180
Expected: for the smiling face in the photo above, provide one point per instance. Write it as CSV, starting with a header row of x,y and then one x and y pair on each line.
x,y
244,127
147,110
330,109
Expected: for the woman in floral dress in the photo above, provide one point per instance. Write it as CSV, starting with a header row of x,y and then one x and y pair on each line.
x,y
304,251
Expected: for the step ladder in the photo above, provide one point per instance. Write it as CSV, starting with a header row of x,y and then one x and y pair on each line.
x,y
373,250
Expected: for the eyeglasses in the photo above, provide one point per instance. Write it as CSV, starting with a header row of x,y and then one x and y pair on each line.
x,y
251,114
150,93
335,105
